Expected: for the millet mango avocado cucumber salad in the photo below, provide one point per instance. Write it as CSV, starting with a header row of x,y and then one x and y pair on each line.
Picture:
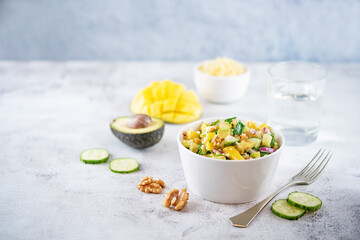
x,y
231,139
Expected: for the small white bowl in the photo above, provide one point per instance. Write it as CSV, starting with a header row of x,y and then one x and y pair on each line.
x,y
219,89
228,181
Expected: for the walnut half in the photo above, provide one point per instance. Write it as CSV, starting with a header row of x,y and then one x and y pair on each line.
x,y
173,198
150,185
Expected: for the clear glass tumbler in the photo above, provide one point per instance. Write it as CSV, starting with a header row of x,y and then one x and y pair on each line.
x,y
295,94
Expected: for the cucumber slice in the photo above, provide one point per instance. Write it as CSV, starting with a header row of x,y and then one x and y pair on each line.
x,y
257,142
283,209
94,156
124,165
304,200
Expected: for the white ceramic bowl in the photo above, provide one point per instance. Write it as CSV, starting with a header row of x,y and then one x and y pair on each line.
x,y
220,89
228,181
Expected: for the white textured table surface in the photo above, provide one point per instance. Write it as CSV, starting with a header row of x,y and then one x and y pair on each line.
x,y
50,112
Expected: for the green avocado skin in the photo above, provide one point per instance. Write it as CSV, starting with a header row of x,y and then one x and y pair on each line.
x,y
141,140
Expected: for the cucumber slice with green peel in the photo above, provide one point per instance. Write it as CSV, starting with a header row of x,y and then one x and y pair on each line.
x,y
124,165
304,201
283,209
94,156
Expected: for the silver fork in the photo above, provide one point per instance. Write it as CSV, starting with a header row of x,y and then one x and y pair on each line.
x,y
306,176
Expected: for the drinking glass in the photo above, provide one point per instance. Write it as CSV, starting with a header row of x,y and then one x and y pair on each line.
x,y
295,95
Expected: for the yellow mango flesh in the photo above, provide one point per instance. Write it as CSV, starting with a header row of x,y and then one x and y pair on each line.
x,y
209,146
233,153
168,101
209,137
190,134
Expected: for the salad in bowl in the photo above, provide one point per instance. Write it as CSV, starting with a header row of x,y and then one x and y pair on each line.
x,y
229,160
231,139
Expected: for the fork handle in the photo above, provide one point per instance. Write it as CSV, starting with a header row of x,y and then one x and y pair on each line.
x,y
245,218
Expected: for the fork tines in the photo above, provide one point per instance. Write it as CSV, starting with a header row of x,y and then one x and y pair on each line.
x,y
316,165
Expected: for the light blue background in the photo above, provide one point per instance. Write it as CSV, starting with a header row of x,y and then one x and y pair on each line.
x,y
258,30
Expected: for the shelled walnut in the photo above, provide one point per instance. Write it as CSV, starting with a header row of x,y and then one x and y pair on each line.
x,y
216,141
150,185
173,198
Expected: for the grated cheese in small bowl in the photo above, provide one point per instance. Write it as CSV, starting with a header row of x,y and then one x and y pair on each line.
x,y
222,67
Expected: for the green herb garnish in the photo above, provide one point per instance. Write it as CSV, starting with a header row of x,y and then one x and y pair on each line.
x,y
214,123
263,154
229,120
272,143
199,148
239,128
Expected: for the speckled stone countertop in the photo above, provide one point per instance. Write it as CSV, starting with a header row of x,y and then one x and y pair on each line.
x,y
50,112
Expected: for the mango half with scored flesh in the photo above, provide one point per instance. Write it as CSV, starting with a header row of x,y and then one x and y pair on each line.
x,y
168,101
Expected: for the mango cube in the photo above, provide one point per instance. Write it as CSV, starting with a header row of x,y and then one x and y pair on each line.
x,y
232,153
209,146
190,134
208,137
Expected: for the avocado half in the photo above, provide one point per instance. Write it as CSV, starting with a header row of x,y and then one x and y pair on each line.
x,y
138,137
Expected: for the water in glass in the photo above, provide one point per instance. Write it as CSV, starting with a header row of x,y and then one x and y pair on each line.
x,y
296,108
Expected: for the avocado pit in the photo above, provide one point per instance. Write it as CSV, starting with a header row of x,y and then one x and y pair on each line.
x,y
139,121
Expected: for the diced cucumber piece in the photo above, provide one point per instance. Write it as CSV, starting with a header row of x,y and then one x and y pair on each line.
x,y
223,133
230,140
266,140
257,142
124,165
304,200
94,156
255,155
285,210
